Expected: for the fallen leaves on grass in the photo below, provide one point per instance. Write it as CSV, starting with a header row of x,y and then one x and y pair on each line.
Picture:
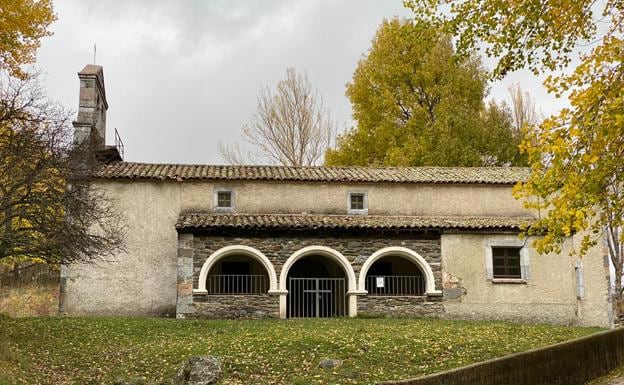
x,y
99,350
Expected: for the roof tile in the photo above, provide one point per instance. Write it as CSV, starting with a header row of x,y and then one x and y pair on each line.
x,y
319,221
491,175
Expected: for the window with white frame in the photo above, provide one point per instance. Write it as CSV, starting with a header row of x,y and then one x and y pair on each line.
x,y
507,261
223,200
357,202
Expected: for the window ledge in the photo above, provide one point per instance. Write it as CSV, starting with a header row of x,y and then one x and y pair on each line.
x,y
509,280
357,212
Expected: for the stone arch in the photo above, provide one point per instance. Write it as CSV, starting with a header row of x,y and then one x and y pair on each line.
x,y
404,252
239,250
326,252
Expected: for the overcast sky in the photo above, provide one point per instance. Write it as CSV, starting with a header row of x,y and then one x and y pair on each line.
x,y
182,76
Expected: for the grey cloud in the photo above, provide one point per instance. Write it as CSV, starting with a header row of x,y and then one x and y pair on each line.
x,y
182,76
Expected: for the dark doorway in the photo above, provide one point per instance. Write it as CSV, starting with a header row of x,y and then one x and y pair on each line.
x,y
316,288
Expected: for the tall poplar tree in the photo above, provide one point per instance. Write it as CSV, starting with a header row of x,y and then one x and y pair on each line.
x,y
415,105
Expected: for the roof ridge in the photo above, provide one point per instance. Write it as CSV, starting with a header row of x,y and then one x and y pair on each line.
x,y
225,214
357,167
342,174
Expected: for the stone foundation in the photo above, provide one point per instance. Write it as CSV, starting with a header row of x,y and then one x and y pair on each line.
x,y
235,306
400,306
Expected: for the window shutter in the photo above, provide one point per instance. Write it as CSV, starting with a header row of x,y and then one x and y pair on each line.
x,y
524,263
489,264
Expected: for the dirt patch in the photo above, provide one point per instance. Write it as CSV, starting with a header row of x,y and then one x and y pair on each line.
x,y
30,300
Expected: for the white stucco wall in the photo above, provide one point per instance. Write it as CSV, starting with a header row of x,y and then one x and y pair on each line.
x,y
548,293
142,281
383,199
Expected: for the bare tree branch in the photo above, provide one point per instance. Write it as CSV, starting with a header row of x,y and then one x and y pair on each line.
x,y
290,127
523,110
48,208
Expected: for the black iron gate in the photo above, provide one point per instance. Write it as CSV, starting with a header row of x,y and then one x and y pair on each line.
x,y
316,297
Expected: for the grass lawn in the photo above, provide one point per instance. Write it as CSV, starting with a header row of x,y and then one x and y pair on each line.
x,y
99,350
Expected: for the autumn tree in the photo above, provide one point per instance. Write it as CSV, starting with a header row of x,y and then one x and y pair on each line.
x,y
576,156
416,105
48,209
291,126
23,23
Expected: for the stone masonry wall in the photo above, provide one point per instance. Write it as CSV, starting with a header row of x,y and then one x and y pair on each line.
x,y
236,306
355,248
278,248
184,288
400,306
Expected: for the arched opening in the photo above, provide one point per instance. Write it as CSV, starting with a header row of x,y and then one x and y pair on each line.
x,y
394,275
237,274
418,261
237,269
316,288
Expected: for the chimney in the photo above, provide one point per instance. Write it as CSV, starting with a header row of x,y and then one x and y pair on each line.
x,y
91,121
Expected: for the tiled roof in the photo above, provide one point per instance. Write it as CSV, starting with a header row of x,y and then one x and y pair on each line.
x,y
179,172
207,221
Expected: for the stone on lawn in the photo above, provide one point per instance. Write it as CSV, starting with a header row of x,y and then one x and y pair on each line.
x,y
329,363
199,370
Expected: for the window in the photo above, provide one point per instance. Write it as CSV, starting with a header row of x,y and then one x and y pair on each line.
x,y
357,203
224,200
506,262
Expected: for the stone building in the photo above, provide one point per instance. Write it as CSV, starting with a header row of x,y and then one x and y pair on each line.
x,y
283,242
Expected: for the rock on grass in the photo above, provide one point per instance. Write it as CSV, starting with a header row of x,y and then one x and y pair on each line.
x,y
199,370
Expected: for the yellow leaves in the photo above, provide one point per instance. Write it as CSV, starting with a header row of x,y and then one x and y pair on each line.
x,y
576,155
581,151
23,23
589,158
417,104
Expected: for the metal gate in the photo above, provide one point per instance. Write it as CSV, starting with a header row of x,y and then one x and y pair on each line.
x,y
316,297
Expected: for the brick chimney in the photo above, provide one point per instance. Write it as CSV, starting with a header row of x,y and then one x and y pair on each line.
x,y
91,121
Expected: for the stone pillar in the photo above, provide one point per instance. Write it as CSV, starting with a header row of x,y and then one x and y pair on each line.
x,y
282,305
90,123
184,301
352,303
